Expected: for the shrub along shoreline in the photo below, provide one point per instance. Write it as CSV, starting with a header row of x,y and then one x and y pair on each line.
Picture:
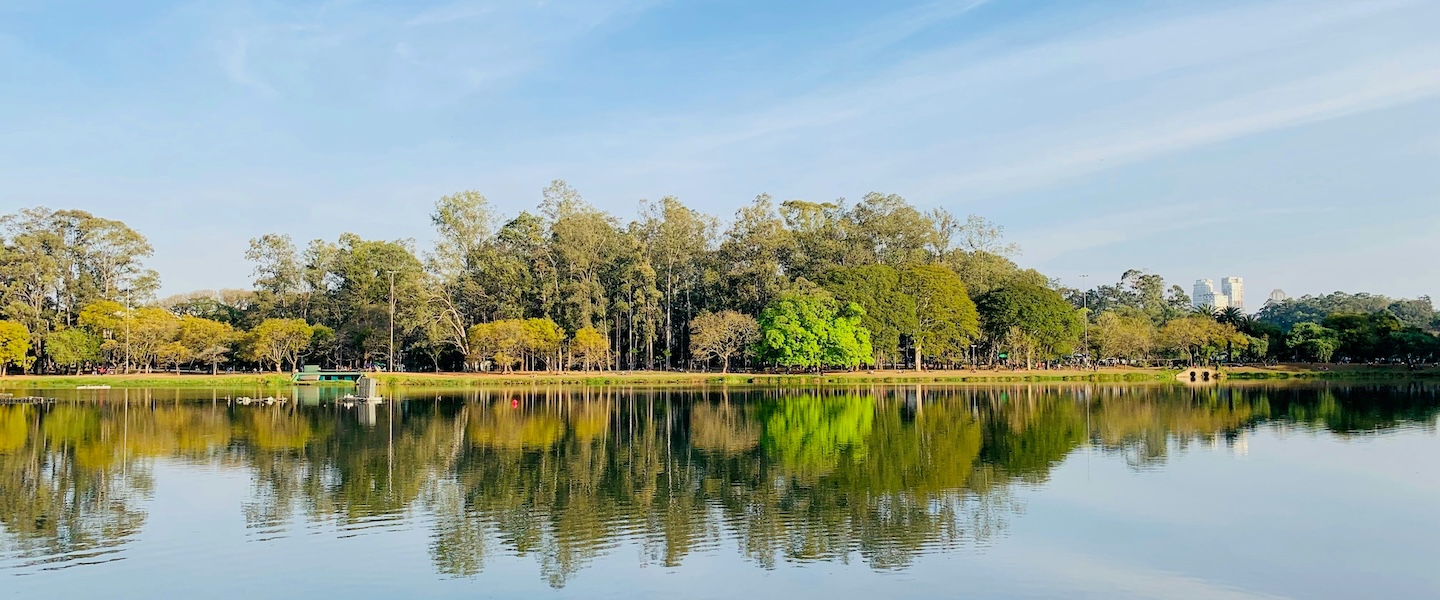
x,y
663,378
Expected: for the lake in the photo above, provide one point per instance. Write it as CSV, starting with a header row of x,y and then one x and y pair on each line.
x,y
1024,491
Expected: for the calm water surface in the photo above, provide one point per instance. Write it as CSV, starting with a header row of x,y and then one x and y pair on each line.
x,y
1086,491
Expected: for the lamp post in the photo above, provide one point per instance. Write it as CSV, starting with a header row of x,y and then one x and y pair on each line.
x,y
1085,296
126,314
390,362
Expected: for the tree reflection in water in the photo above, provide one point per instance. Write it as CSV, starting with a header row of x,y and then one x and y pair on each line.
x,y
565,475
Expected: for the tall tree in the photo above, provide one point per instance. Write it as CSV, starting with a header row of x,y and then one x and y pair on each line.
x,y
751,256
277,271
945,318
679,239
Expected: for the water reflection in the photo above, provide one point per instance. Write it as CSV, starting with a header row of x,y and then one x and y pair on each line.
x,y
883,475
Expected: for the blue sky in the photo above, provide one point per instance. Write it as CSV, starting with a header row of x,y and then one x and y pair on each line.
x,y
1295,144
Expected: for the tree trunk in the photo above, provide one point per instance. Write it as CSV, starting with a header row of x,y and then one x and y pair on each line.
x,y
919,358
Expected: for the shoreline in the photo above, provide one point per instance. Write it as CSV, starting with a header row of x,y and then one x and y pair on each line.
x,y
667,378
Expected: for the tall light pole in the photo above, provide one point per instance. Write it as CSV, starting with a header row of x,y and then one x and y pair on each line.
x,y
390,363
1085,295
127,332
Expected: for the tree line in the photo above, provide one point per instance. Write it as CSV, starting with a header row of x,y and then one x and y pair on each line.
x,y
1137,320
793,285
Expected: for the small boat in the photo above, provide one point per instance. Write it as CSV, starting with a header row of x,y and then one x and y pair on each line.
x,y
92,387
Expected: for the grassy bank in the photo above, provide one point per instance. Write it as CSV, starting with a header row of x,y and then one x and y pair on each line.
x,y
152,380
649,378
1323,371
644,378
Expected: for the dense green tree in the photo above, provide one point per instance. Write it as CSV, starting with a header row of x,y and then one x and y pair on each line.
x,y
807,328
1314,342
73,348
946,319
889,311
1313,309
1034,319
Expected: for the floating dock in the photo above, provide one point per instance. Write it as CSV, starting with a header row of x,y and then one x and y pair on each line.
x,y
312,374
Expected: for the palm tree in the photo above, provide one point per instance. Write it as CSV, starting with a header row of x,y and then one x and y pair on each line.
x,y
1205,310
1233,317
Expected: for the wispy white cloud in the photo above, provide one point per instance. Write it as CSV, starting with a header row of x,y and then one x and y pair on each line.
x,y
430,56
956,122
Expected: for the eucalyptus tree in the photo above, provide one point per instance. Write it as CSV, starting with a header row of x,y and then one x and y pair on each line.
x,y
751,257
679,240
277,272
888,230
53,263
819,238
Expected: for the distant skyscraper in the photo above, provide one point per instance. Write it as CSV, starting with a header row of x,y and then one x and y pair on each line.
x,y
1232,293
1204,293
1234,290
1277,295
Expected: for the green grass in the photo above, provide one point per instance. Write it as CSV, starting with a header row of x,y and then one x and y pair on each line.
x,y
141,381
461,380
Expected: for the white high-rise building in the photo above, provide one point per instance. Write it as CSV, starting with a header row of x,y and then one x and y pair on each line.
x,y
1232,293
1234,290
1204,293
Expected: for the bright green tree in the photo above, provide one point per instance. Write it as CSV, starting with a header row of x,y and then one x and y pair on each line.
x,y
1314,341
14,346
809,329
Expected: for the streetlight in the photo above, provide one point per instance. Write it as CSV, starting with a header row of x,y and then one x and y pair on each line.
x,y
126,314
1085,296
390,362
